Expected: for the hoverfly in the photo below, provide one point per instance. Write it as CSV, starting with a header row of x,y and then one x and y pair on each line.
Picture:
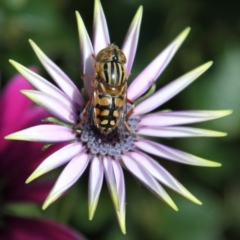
x,y
108,104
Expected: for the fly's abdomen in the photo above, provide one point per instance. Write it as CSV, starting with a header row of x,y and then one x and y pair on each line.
x,y
107,112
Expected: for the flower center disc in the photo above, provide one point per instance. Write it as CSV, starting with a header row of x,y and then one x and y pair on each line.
x,y
117,142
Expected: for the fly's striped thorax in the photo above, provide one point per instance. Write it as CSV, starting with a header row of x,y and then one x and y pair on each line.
x,y
112,73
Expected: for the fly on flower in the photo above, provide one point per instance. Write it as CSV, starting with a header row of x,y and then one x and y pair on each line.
x,y
107,108
105,153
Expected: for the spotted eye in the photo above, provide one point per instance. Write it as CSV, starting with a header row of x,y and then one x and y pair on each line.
x,y
105,55
121,57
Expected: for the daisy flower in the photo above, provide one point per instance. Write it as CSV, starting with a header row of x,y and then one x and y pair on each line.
x,y
107,156
15,166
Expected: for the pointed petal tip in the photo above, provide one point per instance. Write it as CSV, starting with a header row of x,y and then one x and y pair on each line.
x,y
44,206
138,15
220,134
97,3
192,198
123,230
91,210
91,214
14,63
46,203
204,67
182,36
217,164
50,199
121,221
35,46
208,64
171,203
20,68
14,136
198,202
30,178
173,206
8,137
212,164
223,113
37,173
139,11
78,16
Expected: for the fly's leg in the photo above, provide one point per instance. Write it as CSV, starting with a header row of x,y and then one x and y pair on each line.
x,y
130,112
77,128
129,129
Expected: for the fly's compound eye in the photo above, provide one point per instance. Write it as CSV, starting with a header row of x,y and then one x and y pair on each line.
x,y
105,55
121,57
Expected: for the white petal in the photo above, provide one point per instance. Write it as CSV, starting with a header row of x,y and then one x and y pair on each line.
x,y
162,175
175,132
100,30
173,154
52,105
111,181
43,85
150,74
146,178
44,133
121,214
60,78
71,173
170,90
56,159
95,185
180,117
86,51
131,40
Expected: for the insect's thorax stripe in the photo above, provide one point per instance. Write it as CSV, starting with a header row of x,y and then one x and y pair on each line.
x,y
105,74
113,73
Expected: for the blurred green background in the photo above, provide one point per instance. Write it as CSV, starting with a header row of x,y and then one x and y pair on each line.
x,y
215,36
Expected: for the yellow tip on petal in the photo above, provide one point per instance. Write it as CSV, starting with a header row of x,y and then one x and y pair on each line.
x,y
123,229
182,36
8,137
170,203
212,164
37,173
20,68
223,113
97,4
15,136
50,199
138,13
79,19
92,209
35,47
173,205
220,134
189,196
121,220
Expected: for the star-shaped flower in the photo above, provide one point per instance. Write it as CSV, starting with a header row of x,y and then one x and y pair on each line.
x,y
108,154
